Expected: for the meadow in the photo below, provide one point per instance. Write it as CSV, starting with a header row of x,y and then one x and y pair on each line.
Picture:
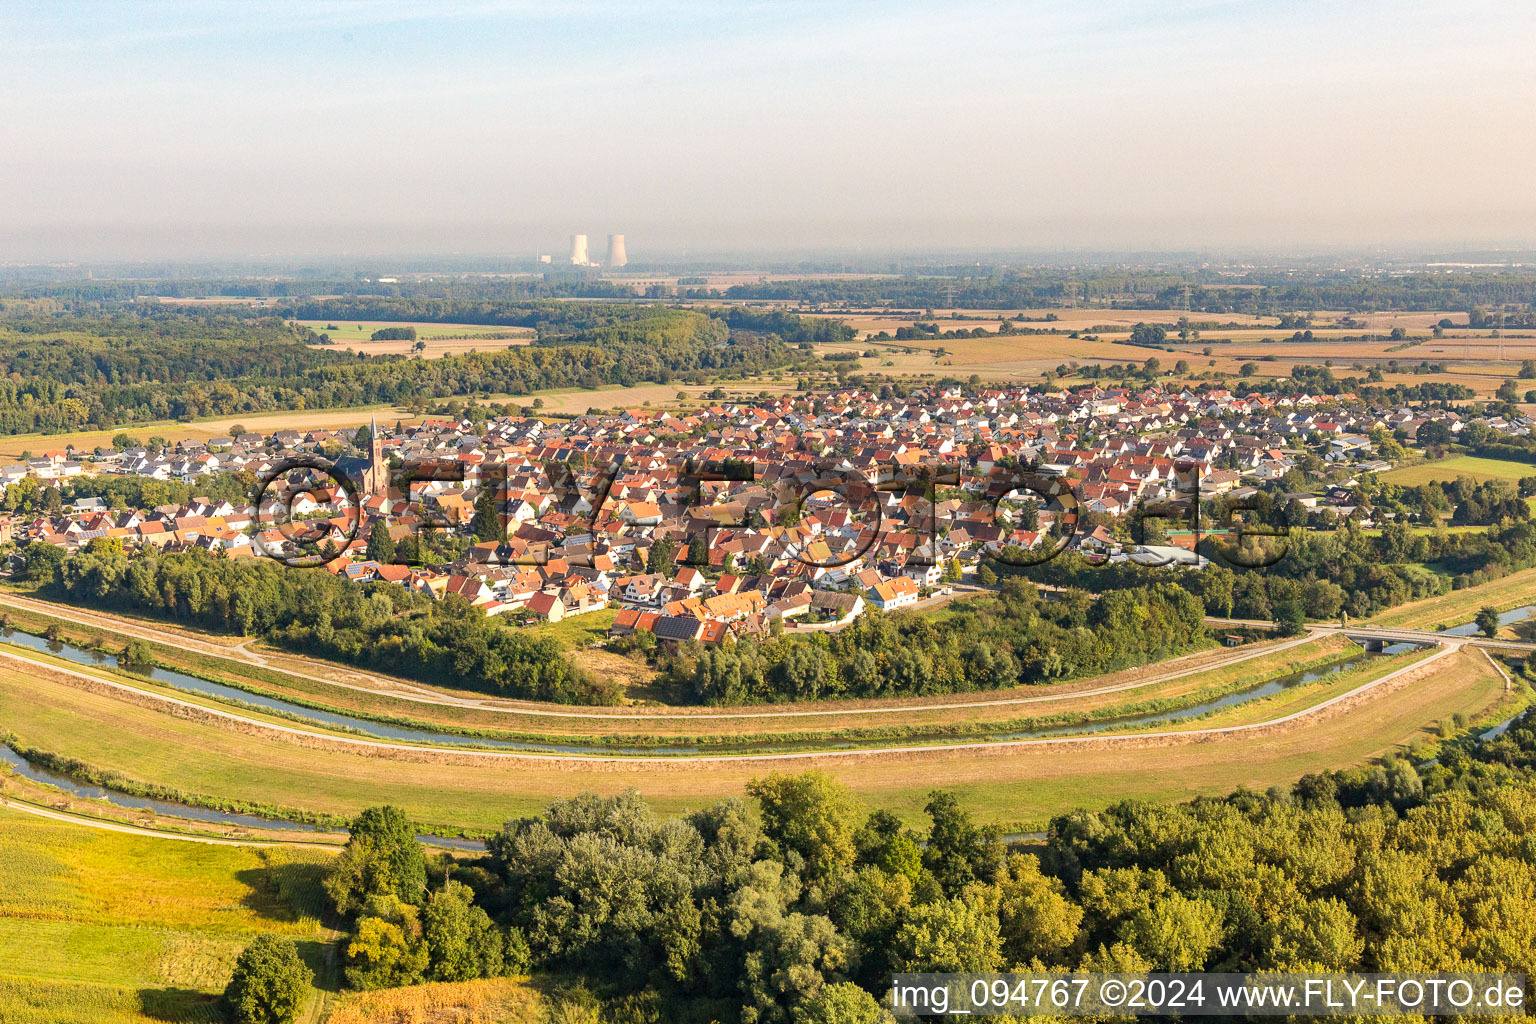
x,y
97,926
383,699
1478,469
1512,591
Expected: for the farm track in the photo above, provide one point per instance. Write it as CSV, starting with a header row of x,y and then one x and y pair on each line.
x,y
378,685
416,752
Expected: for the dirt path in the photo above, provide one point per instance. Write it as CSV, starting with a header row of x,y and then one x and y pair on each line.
x,y
377,684
136,830
421,752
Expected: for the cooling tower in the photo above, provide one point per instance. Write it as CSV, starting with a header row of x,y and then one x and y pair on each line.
x,y
579,250
616,256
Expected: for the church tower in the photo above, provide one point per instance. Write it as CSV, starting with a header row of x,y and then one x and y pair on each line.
x,y
376,476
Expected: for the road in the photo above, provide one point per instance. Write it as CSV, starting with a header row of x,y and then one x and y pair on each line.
x,y
1365,629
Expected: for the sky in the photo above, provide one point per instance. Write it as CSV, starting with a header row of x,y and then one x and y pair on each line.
x,y
222,128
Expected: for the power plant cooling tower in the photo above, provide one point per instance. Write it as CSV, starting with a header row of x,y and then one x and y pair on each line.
x,y
616,256
579,250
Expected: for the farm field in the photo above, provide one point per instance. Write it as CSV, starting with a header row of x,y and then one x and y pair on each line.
x,y
1462,465
1011,785
440,339
101,927
1474,359
487,1001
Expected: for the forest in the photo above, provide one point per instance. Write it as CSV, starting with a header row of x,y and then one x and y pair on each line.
x,y
795,905
70,371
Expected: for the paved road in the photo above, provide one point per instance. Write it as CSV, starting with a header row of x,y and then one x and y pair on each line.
x,y
1365,629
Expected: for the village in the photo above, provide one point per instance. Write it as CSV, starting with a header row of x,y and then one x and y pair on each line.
x,y
600,512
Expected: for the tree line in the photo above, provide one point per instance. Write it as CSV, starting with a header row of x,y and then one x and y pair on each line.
x,y
381,626
71,372
985,644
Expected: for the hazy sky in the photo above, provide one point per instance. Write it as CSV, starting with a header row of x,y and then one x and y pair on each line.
x,y
208,128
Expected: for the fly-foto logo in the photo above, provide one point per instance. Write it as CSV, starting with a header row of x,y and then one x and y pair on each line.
x,y
289,535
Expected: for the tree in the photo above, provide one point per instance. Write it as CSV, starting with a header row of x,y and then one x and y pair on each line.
x,y
1488,621
384,954
986,575
811,814
843,1003
122,442
381,546
43,561
1508,391
1248,369
1175,933
1037,919
662,558
462,943
136,654
1290,617
487,525
959,851
270,983
951,936
382,859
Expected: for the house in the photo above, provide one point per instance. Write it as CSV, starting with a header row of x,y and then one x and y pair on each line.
x,y
924,575
548,607
677,628
896,593
840,607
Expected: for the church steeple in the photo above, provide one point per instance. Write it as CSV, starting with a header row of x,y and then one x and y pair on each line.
x,y
376,479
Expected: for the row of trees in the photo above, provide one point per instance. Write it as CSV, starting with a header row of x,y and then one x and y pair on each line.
x,y
384,626
1319,574
986,644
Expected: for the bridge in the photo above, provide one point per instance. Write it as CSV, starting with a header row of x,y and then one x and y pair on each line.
x,y
1374,638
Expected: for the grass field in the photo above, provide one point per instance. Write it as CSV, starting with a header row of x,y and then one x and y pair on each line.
x,y
1512,591
1462,465
97,926
1016,785
439,339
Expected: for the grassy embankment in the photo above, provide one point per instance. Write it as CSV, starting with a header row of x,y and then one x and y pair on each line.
x,y
1018,785
1033,707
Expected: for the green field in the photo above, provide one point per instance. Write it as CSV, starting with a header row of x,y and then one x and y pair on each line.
x,y
1016,785
1462,465
1512,591
98,926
